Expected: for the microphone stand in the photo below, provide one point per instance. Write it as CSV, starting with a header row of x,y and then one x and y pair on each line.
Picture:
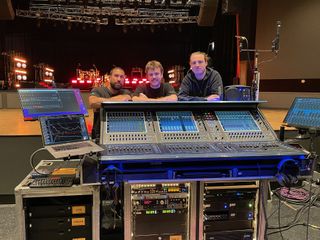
x,y
256,73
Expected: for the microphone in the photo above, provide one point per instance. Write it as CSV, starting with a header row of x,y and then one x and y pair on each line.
x,y
276,40
242,38
211,46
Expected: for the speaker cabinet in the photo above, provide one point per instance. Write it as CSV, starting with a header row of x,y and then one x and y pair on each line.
x,y
231,6
6,10
207,13
237,93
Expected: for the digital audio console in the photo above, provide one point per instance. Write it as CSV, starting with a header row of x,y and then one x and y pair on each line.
x,y
235,133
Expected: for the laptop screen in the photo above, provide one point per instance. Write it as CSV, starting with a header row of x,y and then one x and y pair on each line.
x,y
63,129
36,103
304,113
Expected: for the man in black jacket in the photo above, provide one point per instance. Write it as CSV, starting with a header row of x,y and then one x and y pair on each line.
x,y
201,82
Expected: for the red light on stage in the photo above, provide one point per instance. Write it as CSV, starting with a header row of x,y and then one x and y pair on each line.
x,y
89,81
73,81
82,81
144,79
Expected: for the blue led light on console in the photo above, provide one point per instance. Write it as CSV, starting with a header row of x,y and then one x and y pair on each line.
x,y
176,122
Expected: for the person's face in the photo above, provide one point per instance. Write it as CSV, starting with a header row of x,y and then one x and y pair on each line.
x,y
116,79
154,76
198,64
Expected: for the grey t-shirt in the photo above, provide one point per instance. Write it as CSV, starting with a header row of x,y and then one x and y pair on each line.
x,y
102,92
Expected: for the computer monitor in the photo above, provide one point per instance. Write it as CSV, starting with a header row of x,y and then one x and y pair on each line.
x,y
304,113
36,103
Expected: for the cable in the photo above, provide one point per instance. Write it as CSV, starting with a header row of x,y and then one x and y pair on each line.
x,y
297,217
308,216
31,161
293,195
279,218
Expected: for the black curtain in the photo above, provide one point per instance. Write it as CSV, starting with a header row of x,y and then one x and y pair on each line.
x,y
224,56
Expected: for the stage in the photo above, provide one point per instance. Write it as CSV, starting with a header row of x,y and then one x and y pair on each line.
x,y
12,124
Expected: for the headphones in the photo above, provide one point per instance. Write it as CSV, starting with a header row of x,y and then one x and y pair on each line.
x,y
288,171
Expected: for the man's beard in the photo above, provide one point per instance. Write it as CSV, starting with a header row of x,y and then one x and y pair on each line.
x,y
116,86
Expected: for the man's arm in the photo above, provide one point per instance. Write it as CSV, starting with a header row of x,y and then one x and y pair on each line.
x,y
213,97
184,92
215,88
95,102
144,98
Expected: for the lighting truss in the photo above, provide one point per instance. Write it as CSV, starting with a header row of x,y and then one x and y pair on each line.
x,y
156,3
125,12
61,17
112,11
155,21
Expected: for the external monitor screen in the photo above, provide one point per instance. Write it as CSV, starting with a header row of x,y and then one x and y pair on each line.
x,y
176,122
237,121
124,122
304,113
36,103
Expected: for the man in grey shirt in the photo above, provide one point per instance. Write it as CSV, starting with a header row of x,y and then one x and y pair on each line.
x,y
111,92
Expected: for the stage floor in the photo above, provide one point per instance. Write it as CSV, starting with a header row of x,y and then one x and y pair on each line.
x,y
12,124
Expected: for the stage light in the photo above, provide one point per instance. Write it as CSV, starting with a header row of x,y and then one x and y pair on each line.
x,y
19,60
24,77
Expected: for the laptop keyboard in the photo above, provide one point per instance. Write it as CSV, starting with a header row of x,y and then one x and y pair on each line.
x,y
52,181
71,146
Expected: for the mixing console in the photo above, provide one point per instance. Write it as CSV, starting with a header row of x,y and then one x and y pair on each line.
x,y
180,132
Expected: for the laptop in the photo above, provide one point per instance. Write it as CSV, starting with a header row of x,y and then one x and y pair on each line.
x,y
66,136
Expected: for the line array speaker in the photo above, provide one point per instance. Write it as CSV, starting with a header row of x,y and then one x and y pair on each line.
x,y
6,10
207,13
